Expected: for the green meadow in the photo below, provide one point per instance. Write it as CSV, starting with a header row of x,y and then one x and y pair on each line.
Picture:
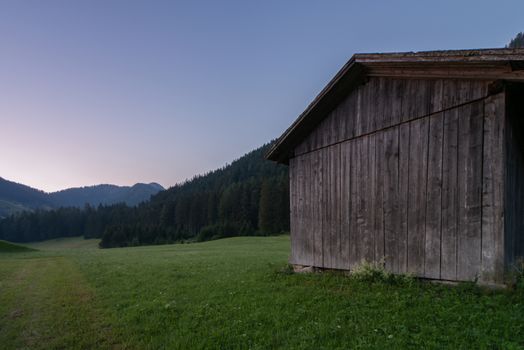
x,y
234,293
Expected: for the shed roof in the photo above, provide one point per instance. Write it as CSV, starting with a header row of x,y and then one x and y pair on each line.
x,y
492,64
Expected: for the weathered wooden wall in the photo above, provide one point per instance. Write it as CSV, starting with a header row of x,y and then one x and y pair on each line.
x,y
398,172
384,102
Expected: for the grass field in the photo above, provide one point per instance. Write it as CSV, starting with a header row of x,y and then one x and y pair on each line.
x,y
233,294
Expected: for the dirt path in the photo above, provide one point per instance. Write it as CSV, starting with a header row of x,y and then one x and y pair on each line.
x,y
46,303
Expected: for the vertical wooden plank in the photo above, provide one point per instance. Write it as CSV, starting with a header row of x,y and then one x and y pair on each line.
x,y
379,167
493,189
372,115
296,178
351,114
391,199
470,190
342,120
450,93
368,188
305,205
362,191
309,206
324,207
305,245
324,133
354,258
395,109
331,207
293,179
418,154
360,114
336,202
437,90
301,165
300,148
345,157
403,193
334,127
368,119
434,197
328,208
321,135
383,97
449,196
296,209
316,217
415,99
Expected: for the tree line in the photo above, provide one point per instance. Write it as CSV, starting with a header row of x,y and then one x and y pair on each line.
x,y
250,196
517,42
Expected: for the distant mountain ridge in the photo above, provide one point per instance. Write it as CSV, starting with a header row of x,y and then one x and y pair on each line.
x,y
105,194
16,197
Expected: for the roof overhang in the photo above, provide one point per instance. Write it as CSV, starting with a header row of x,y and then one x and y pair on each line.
x,y
487,64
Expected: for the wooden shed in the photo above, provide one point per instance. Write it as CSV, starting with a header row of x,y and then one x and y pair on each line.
x,y
415,160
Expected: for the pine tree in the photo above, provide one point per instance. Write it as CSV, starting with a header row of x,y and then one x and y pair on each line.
x,y
517,42
268,201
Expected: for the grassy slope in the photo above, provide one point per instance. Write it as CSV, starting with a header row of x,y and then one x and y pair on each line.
x,y
230,294
65,244
8,247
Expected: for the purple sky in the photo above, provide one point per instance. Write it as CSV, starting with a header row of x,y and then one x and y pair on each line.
x,y
140,91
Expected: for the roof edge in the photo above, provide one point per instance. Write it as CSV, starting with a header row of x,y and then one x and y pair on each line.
x,y
272,154
354,72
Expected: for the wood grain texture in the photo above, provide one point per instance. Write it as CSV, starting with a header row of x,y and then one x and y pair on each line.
x,y
493,171
434,198
378,197
306,201
316,213
403,196
391,199
345,199
469,190
384,102
292,209
417,183
419,178
355,211
366,196
449,196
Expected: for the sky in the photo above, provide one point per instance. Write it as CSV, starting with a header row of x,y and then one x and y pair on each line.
x,y
123,91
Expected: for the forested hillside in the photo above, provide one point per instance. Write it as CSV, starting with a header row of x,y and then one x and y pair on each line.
x,y
250,196
15,197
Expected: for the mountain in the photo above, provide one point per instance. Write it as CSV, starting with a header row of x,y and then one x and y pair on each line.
x,y
16,198
104,194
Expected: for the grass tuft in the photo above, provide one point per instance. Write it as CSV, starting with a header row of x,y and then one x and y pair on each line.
x,y
375,272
